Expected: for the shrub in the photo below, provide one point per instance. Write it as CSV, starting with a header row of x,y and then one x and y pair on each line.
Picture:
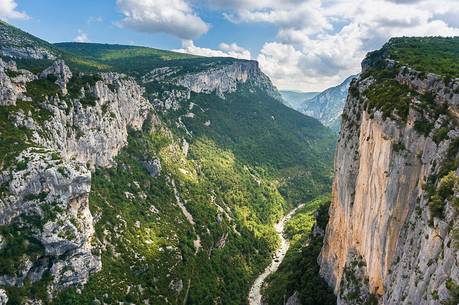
x,y
389,97
436,206
423,126
447,184
440,134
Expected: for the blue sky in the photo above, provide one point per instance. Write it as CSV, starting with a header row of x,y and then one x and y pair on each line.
x,y
57,21
305,45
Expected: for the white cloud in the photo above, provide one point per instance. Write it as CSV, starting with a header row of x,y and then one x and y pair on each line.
x,y
8,10
81,37
175,17
225,50
319,43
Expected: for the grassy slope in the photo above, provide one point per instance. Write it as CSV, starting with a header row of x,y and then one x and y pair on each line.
x,y
135,61
437,55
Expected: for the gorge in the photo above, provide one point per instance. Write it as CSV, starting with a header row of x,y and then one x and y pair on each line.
x,y
132,175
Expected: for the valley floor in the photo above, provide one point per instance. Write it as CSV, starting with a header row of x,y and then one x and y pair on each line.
x,y
255,296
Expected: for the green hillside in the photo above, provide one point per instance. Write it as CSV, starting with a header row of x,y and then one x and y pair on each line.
x,y
437,55
254,161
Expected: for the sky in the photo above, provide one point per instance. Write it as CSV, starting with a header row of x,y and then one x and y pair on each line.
x,y
302,45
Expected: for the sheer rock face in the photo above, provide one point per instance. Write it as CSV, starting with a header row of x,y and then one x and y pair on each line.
x,y
220,79
95,134
60,70
57,192
53,180
379,216
224,79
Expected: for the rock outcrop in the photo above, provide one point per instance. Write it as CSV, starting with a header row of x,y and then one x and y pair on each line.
x,y
95,134
61,72
52,178
386,241
220,79
13,83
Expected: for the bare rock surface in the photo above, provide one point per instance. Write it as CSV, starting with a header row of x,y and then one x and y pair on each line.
x,y
380,218
52,179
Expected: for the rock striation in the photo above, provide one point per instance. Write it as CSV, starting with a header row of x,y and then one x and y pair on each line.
x,y
386,243
220,79
52,179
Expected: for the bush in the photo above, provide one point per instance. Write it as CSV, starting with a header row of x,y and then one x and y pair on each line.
x,y
423,126
440,134
447,185
436,206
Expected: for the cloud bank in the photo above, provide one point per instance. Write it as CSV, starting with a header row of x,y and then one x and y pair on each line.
x,y
8,10
225,50
318,44
175,17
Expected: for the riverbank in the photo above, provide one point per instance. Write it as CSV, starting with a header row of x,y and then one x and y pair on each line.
x,y
255,297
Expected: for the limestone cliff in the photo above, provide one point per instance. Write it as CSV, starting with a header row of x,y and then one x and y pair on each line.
x,y
45,196
220,79
390,239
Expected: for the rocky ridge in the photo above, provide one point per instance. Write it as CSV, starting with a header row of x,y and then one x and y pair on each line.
x,y
390,238
220,79
328,105
52,179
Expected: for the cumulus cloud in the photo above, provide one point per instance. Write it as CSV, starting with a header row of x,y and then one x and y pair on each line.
x,y
175,17
8,10
225,50
81,37
320,43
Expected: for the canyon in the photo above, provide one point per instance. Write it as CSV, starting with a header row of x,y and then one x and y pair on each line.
x,y
131,175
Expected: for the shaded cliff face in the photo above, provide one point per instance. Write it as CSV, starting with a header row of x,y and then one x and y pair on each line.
x,y
390,239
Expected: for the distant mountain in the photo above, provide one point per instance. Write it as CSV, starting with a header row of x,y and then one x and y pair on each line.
x,y
328,106
295,99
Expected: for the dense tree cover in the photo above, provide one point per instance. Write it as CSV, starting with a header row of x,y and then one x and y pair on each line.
x,y
437,55
212,180
294,149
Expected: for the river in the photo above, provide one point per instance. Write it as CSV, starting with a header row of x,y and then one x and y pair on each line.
x,y
255,290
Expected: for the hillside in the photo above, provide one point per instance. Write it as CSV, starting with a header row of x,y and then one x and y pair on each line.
x,y
135,175
392,237
328,105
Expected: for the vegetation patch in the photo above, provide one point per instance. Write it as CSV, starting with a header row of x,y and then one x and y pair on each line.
x,y
427,54
299,271
39,89
391,98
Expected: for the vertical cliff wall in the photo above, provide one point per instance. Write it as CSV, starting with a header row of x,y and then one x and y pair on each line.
x,y
53,139
389,239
